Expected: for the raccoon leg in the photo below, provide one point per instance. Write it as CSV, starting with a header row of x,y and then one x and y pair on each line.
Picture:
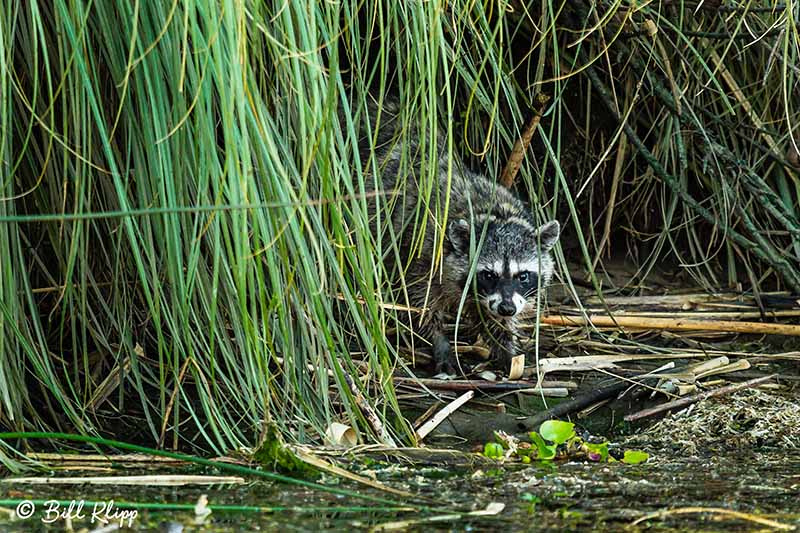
x,y
503,344
442,353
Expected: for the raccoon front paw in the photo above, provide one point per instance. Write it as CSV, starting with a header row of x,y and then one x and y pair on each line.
x,y
445,368
443,356
502,356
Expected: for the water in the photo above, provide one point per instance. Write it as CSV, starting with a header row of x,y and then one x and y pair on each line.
x,y
559,497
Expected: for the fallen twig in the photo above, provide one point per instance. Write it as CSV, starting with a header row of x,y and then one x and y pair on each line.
x,y
599,362
741,364
484,385
699,315
718,365
532,423
137,458
555,392
679,301
439,417
369,413
695,301
673,324
307,455
688,400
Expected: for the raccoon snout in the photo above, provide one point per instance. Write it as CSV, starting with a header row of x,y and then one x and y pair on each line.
x,y
507,308
504,304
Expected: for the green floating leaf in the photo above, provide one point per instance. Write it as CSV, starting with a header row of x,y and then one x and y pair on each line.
x,y
634,457
494,450
557,431
544,450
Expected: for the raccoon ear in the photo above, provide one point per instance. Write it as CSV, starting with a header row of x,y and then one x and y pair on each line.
x,y
458,233
547,235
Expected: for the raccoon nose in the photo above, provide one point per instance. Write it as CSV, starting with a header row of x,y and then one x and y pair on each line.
x,y
507,308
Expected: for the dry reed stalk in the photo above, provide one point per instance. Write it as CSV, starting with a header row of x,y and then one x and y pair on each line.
x,y
97,458
688,400
521,146
308,456
703,315
369,413
440,417
673,324
458,385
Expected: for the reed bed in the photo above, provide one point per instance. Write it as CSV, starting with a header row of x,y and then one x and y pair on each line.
x,y
185,255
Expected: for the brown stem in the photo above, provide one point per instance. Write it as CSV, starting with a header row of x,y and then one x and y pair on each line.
x,y
672,324
688,400
521,146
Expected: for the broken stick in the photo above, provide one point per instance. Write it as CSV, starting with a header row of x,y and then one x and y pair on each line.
x,y
672,324
369,413
439,417
484,385
688,400
532,423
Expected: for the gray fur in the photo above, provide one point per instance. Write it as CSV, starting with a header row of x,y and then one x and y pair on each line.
x,y
477,204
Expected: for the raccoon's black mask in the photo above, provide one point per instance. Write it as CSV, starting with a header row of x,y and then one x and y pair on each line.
x,y
512,263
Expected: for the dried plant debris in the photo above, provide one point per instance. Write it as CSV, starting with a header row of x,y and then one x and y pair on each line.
x,y
748,419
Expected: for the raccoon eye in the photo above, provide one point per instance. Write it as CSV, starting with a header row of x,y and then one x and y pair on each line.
x,y
487,276
524,277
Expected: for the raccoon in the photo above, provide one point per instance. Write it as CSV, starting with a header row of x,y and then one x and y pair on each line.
x,y
488,227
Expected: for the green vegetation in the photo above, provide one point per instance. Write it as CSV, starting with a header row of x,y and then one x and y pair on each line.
x,y
493,450
554,431
274,455
556,439
184,254
634,457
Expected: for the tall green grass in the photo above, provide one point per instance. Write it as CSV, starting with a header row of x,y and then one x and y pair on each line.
x,y
184,254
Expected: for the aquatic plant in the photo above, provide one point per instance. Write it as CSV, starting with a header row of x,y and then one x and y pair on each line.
x,y
557,439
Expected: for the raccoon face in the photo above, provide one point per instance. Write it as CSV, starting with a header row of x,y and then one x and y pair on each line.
x,y
513,263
